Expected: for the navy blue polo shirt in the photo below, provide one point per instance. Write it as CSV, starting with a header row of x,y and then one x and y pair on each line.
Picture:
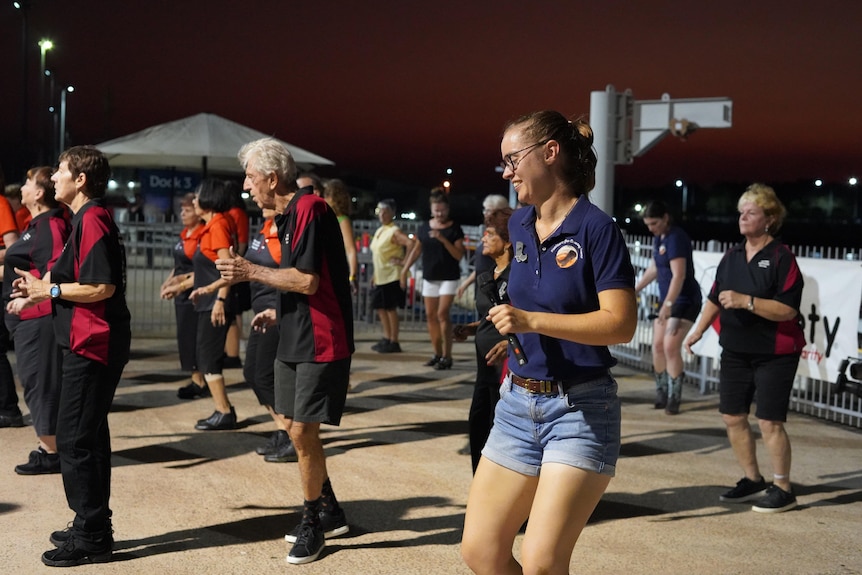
x,y
676,244
564,274
771,274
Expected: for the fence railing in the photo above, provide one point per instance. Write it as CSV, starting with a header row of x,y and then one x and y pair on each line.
x,y
810,396
149,248
149,253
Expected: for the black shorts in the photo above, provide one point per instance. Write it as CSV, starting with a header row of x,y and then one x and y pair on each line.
x,y
765,378
387,296
210,343
258,367
686,310
312,392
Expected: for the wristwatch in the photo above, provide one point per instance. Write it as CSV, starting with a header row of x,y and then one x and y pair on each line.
x,y
668,303
55,291
750,303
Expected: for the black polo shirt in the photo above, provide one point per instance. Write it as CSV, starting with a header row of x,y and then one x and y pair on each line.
x,y
94,254
318,327
771,274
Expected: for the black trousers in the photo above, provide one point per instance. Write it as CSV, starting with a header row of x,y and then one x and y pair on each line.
x,y
8,395
187,334
486,394
84,440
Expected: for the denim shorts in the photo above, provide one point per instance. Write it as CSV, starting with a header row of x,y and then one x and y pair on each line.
x,y
580,426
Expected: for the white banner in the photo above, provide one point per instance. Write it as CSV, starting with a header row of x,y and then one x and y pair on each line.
x,y
830,310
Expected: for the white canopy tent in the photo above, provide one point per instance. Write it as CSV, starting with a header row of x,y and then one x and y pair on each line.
x,y
203,141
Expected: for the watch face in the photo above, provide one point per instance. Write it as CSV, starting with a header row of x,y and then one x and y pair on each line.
x,y
55,291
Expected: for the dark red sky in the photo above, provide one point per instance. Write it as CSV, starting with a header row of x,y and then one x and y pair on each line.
x,y
402,90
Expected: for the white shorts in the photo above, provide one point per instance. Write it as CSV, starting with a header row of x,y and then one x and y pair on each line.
x,y
439,288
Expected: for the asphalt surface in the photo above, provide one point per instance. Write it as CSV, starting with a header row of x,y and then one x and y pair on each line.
x,y
190,502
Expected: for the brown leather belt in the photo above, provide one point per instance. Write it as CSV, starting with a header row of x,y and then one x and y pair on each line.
x,y
551,387
542,386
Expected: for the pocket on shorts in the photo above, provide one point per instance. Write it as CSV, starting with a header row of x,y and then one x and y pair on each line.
x,y
593,396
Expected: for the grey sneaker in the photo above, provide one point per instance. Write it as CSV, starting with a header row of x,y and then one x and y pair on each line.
x,y
309,543
333,525
745,490
776,500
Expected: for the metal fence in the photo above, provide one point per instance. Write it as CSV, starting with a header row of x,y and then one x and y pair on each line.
x,y
149,252
149,248
810,396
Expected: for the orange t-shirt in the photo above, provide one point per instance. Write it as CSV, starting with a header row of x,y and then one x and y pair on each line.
x,y
240,219
7,220
219,233
23,217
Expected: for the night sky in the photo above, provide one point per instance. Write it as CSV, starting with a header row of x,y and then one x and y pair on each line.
x,y
402,90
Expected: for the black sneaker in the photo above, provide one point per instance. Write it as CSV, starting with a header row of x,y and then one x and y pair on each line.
x,y
380,344
444,363
193,391
12,420
391,347
218,421
433,361
776,500
333,524
745,490
59,538
273,443
284,453
72,552
310,541
40,463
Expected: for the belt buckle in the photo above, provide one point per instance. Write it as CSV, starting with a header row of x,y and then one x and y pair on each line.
x,y
542,385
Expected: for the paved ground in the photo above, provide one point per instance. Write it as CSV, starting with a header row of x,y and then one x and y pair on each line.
x,y
188,502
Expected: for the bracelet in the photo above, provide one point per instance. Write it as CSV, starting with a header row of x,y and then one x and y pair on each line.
x,y
353,278
221,299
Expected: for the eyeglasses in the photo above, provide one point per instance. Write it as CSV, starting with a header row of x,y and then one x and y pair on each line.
x,y
510,162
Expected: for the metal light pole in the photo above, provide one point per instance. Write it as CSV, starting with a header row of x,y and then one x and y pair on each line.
x,y
66,90
684,186
44,46
23,6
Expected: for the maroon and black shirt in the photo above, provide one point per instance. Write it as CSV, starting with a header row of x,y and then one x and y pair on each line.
x,y
94,254
319,327
771,274
36,250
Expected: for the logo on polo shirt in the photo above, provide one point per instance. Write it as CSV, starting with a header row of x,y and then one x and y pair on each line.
x,y
520,255
287,239
763,264
567,253
662,250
